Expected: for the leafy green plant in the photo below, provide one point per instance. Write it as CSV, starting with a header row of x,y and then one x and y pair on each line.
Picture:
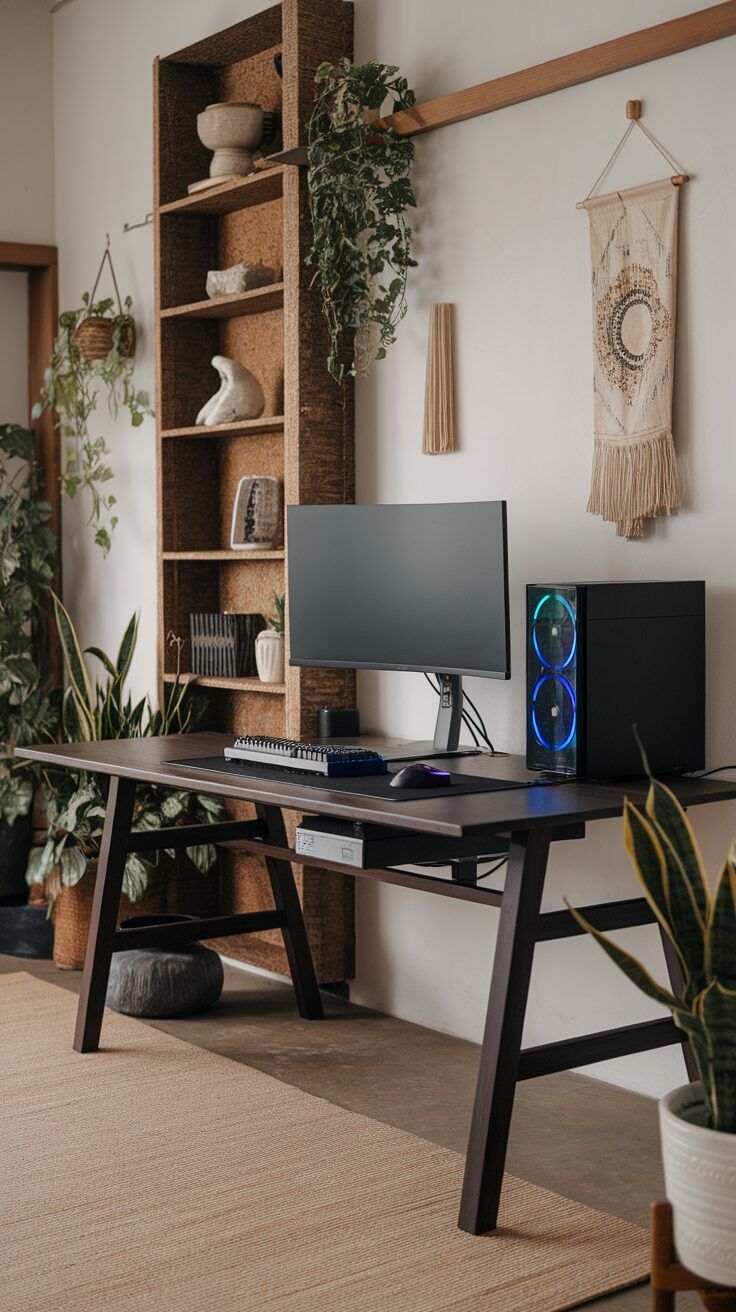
x,y
359,191
278,623
71,387
28,706
702,929
76,804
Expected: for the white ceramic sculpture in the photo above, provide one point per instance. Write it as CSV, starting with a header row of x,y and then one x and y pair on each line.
x,y
233,131
239,278
240,395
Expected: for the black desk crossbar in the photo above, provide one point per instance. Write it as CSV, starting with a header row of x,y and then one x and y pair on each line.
x,y
180,932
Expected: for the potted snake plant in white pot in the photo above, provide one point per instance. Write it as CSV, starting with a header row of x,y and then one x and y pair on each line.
x,y
697,1121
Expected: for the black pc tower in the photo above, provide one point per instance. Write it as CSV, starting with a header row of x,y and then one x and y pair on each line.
x,y
603,657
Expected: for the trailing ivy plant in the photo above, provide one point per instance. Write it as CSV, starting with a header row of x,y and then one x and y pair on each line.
x,y
71,386
28,706
359,192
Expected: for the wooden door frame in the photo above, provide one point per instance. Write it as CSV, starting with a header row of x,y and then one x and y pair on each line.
x,y
41,265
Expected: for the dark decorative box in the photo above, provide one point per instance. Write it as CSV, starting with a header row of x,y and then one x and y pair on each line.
x,y
224,645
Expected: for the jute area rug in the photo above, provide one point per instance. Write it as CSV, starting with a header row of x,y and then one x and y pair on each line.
x,y
156,1175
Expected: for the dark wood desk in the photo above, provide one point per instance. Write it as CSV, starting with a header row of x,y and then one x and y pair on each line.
x,y
528,820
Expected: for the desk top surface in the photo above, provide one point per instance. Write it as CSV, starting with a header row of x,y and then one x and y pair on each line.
x,y
568,802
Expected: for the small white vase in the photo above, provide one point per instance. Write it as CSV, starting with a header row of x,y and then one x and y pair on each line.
x,y
700,1181
270,656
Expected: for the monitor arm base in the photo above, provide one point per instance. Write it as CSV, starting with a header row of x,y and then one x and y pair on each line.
x,y
450,713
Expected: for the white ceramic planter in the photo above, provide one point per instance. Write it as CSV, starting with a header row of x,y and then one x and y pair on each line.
x,y
270,656
700,1179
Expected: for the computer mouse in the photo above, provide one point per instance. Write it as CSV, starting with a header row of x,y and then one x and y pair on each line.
x,y
421,775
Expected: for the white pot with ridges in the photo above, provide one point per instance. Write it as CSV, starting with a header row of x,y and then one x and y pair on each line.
x,y
270,656
700,1180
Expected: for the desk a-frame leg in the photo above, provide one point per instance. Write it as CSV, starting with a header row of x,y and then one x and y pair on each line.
x,y
499,1060
296,943
105,906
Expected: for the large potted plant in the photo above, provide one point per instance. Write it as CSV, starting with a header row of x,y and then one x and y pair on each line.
x,y
28,705
94,353
67,863
359,191
697,1121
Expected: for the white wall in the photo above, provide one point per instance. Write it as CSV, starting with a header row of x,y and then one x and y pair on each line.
x,y
27,190
26,118
497,233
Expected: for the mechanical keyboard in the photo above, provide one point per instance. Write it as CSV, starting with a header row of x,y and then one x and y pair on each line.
x,y
310,758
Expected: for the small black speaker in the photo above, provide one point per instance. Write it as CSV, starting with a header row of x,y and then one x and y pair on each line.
x,y
338,722
603,657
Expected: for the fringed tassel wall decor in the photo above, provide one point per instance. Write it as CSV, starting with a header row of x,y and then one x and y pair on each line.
x,y
633,237
439,392
633,247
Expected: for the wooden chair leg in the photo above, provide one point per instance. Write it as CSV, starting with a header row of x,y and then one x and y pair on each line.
x,y
110,870
286,898
499,1061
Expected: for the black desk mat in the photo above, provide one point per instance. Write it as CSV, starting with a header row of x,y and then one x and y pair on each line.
x,y
370,785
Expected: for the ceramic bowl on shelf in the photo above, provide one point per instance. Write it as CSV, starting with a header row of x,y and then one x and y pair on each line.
x,y
233,131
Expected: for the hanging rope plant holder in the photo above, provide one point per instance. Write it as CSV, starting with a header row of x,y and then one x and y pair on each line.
x,y
100,332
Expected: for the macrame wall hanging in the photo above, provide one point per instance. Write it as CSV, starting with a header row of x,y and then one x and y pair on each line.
x,y
439,389
633,247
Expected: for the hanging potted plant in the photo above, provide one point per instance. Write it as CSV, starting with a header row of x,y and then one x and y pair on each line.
x,y
697,1121
270,661
94,352
359,192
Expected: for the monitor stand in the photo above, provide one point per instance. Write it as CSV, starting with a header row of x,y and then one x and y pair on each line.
x,y
447,729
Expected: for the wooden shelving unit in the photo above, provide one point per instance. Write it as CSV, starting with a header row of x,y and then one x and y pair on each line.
x,y
305,436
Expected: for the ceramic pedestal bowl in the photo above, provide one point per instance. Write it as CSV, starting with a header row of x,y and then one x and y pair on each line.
x,y
233,131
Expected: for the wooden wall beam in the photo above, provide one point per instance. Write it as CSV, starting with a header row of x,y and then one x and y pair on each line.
x,y
641,47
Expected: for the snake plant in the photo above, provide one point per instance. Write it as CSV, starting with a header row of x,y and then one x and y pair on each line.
x,y
702,928
76,804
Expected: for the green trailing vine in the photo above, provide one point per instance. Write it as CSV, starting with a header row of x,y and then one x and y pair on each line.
x,y
359,191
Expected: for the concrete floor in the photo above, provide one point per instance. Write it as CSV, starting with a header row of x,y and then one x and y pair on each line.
x,y
590,1141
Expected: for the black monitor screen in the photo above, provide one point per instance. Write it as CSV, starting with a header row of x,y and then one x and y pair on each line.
x,y
400,587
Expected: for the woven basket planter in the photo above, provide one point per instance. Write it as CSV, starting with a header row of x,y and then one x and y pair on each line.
x,y
73,911
94,336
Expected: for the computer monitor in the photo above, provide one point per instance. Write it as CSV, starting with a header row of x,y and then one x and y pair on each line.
x,y
402,588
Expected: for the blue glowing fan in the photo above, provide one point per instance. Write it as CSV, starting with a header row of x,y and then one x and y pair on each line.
x,y
554,715
554,631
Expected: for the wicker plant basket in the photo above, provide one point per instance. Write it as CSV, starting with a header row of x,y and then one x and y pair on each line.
x,y
73,911
94,337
